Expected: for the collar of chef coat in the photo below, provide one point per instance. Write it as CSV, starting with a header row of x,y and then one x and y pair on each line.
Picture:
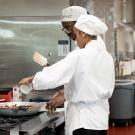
x,y
98,43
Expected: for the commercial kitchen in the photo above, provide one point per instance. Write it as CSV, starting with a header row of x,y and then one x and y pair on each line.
x,y
29,26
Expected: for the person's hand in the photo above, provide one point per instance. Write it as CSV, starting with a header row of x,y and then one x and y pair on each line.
x,y
61,92
26,81
57,100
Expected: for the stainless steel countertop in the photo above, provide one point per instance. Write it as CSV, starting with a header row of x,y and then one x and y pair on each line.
x,y
125,80
38,123
132,77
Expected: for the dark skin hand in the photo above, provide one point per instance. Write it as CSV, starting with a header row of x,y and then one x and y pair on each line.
x,y
57,100
26,80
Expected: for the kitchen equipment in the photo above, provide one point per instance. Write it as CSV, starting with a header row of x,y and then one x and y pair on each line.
x,y
25,89
6,95
39,99
19,108
40,123
133,65
17,94
125,68
38,58
121,103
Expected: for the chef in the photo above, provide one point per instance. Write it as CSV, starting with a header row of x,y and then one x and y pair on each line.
x,y
68,19
88,78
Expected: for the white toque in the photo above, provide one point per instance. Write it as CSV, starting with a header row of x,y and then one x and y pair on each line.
x,y
72,13
91,25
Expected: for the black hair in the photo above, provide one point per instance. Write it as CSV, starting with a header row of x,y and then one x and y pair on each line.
x,y
93,37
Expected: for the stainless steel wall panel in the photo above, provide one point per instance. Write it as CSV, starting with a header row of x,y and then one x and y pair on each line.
x,y
32,7
19,39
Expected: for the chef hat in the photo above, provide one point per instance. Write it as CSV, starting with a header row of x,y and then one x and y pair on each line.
x,y
91,25
72,13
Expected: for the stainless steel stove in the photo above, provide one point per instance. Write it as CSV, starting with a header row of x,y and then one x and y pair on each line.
x,y
32,124
7,122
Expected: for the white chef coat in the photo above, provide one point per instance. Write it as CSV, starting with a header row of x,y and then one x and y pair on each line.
x,y
102,44
99,39
88,77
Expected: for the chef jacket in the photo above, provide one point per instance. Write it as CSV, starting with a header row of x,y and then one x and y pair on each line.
x,y
99,39
88,78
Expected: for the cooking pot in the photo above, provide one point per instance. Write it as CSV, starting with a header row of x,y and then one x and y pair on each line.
x,y
19,108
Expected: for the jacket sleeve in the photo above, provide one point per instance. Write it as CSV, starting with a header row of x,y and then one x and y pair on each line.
x,y
56,75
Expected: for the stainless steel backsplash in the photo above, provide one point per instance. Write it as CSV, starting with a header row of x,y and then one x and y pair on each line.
x,y
18,42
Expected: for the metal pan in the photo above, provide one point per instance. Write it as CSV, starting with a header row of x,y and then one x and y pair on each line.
x,y
19,108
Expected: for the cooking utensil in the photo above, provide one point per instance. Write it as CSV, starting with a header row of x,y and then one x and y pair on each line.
x,y
40,59
25,89
19,108
6,94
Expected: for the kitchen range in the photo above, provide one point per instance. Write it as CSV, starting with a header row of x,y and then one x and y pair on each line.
x,y
39,123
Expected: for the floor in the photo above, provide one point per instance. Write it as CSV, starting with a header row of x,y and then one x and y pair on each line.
x,y
122,130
